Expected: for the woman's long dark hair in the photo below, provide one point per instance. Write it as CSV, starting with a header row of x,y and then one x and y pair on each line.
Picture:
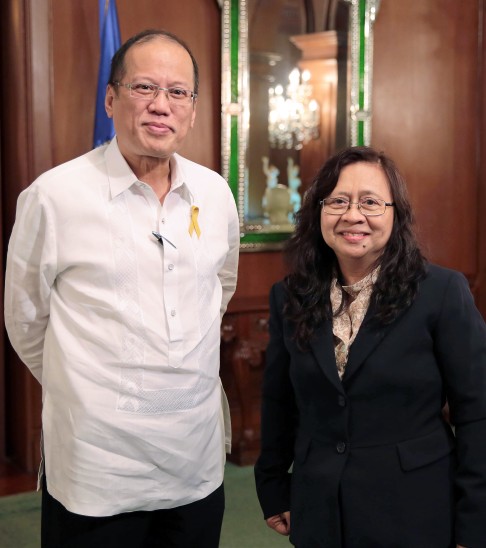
x,y
313,264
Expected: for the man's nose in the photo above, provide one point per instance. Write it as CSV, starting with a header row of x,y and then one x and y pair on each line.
x,y
161,100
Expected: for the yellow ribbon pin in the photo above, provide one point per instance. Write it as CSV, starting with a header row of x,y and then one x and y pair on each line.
x,y
193,224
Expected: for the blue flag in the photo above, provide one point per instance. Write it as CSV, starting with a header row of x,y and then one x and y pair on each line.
x,y
110,42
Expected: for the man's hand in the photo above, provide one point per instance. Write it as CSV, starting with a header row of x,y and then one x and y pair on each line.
x,y
280,523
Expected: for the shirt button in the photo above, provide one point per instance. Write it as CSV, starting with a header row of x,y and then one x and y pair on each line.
x,y
171,267
341,447
172,312
342,401
163,221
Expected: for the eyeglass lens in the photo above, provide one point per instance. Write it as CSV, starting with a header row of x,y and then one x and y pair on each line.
x,y
367,206
141,90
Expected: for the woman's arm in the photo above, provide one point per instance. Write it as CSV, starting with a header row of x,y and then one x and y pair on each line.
x,y
278,418
281,523
460,343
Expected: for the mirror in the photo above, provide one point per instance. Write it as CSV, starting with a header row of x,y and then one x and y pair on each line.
x,y
296,86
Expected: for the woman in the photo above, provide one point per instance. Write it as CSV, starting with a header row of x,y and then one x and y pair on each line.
x,y
367,342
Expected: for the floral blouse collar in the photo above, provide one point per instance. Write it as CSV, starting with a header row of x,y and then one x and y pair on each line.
x,y
346,324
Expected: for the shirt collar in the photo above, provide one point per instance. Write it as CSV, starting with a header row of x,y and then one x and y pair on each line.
x,y
179,180
367,281
354,289
121,176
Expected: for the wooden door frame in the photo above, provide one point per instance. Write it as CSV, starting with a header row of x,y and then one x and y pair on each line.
x,y
26,141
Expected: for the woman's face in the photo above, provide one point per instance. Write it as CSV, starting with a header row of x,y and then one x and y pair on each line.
x,y
358,240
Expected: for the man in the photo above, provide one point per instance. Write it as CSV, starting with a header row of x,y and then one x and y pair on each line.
x,y
120,265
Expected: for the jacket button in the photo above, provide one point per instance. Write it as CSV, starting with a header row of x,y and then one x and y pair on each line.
x,y
342,401
341,447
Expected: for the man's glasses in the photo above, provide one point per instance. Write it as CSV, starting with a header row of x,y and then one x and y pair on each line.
x,y
370,207
143,90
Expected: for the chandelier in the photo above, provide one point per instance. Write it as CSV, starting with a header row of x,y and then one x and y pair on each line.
x,y
293,117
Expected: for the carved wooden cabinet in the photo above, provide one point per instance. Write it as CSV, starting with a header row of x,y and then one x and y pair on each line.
x,y
244,337
243,342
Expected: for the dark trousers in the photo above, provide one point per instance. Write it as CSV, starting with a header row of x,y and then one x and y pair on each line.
x,y
195,525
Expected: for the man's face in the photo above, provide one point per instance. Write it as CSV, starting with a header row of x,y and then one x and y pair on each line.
x,y
152,128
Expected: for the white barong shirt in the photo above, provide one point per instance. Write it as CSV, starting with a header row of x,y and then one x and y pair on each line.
x,y
122,332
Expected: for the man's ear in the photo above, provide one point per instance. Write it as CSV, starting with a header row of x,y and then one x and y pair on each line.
x,y
109,98
193,117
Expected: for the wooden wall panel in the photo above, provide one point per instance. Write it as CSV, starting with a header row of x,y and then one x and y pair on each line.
x,y
21,24
244,340
425,115
481,175
74,70
73,73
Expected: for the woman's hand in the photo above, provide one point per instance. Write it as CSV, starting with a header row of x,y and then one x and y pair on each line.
x,y
280,523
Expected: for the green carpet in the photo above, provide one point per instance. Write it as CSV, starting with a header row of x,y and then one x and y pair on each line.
x,y
20,521
243,524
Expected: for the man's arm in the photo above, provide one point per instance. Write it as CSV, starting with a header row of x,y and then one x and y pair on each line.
x,y
229,271
29,278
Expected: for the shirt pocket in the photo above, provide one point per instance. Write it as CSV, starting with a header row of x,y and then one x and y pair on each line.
x,y
425,450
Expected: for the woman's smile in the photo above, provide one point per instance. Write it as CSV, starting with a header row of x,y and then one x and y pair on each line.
x,y
354,237
358,240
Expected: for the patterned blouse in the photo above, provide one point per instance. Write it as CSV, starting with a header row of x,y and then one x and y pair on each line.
x,y
346,325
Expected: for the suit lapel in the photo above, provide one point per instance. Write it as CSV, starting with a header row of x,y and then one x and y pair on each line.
x,y
368,338
322,346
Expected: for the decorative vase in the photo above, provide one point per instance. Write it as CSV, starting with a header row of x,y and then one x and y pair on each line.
x,y
277,204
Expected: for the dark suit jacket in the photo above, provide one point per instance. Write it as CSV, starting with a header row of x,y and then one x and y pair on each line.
x,y
374,463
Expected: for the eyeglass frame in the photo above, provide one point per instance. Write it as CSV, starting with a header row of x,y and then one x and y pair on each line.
x,y
156,91
386,204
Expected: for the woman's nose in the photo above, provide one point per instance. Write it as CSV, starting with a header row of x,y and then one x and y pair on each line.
x,y
353,212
